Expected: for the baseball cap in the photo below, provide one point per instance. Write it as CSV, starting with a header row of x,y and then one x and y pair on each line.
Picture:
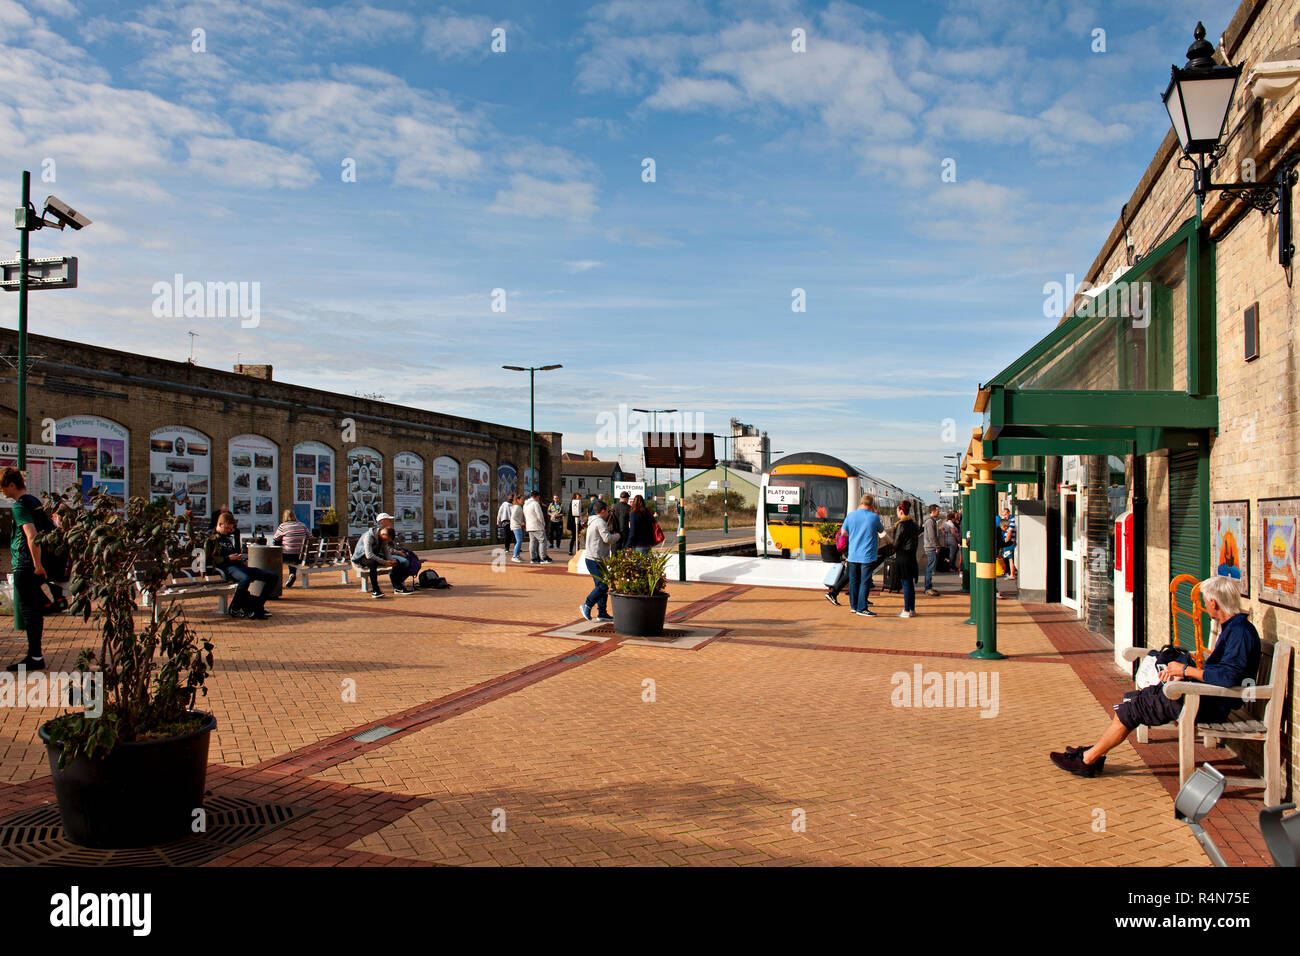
x,y
384,516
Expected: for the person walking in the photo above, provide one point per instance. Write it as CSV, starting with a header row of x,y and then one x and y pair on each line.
x,y
517,526
555,521
599,539
641,526
535,525
29,520
905,540
291,536
863,528
622,520
575,519
930,544
952,541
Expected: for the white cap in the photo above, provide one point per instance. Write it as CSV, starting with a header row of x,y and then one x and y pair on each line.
x,y
385,516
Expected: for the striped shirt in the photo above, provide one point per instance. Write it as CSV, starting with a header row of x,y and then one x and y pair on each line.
x,y
291,535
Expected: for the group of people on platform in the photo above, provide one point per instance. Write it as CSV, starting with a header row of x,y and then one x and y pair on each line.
x,y
519,517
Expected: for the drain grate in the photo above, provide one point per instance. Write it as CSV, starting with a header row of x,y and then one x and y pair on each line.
x,y
373,734
36,836
668,635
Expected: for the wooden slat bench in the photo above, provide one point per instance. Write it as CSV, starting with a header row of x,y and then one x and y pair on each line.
x,y
330,555
1260,717
190,589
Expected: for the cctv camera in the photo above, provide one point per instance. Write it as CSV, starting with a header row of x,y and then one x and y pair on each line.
x,y
65,214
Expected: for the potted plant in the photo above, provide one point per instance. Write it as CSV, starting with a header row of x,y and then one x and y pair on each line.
x,y
826,531
134,773
637,595
329,523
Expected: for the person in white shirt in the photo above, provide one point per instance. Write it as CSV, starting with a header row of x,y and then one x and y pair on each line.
x,y
535,524
599,538
517,525
503,520
575,519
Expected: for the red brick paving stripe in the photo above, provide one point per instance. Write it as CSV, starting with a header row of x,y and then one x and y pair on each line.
x,y
1234,823
339,748
708,603
403,612
897,651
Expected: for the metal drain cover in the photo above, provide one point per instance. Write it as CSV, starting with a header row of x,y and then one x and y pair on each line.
x,y
36,836
373,734
669,633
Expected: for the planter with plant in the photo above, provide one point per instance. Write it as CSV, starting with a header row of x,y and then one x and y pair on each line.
x,y
826,531
129,770
329,523
637,594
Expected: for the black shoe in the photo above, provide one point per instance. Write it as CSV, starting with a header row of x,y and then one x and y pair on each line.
x,y
832,598
377,595
292,577
27,664
262,614
1072,760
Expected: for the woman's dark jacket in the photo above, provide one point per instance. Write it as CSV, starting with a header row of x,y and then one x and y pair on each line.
x,y
906,534
641,530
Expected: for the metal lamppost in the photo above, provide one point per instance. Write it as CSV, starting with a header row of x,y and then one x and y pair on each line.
x,y
725,481
532,430
57,274
654,423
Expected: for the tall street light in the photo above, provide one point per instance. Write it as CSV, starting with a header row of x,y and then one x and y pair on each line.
x,y
532,406
654,423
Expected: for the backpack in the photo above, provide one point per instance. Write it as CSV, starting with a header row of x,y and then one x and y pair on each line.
x,y
1153,664
432,579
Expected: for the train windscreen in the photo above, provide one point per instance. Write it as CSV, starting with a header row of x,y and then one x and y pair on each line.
x,y
822,498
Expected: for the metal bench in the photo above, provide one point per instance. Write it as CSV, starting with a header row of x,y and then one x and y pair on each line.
x,y
190,589
1259,719
330,555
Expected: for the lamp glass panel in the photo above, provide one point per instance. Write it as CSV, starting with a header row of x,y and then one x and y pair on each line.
x,y
1174,104
1207,103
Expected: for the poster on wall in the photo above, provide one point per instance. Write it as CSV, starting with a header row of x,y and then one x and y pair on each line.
x,y
507,483
446,499
365,489
102,448
479,520
1278,520
313,482
1230,542
50,469
180,469
408,494
254,471
530,481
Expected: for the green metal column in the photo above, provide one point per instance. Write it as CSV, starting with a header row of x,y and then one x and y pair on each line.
x,y
985,582
532,432
724,484
23,235
968,551
681,515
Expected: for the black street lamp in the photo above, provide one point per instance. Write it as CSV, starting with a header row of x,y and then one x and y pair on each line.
x,y
532,429
1198,99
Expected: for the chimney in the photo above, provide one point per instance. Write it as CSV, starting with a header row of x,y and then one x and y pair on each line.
x,y
586,455
254,371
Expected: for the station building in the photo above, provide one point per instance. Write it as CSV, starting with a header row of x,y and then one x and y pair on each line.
x,y
1163,409
201,437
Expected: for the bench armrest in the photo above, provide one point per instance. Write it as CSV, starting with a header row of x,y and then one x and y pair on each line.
x,y
1177,688
1135,653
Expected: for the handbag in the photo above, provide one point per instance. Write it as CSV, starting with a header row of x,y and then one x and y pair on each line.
x,y
832,576
658,534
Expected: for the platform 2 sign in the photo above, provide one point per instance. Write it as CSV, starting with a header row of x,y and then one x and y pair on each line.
x,y
783,500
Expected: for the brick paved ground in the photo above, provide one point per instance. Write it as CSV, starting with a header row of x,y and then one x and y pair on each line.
x,y
777,743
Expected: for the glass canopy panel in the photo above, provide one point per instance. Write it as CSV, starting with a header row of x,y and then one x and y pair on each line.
x,y
1131,334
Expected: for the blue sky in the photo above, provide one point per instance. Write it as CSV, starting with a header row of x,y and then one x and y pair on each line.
x,y
522,170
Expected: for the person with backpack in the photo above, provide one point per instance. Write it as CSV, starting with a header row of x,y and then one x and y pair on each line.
x,y
30,520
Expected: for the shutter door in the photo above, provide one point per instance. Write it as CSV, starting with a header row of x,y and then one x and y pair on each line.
x,y
1186,536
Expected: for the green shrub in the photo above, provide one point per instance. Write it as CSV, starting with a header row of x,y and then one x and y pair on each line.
x,y
634,572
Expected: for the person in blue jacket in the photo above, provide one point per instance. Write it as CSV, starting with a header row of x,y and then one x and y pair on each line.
x,y
863,527
1234,659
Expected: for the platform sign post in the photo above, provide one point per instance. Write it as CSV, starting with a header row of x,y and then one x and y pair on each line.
x,y
783,500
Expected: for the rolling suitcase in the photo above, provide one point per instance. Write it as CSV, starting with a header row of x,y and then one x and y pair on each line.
x,y
890,581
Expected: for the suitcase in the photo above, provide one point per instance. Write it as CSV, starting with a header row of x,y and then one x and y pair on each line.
x,y
832,577
941,564
890,580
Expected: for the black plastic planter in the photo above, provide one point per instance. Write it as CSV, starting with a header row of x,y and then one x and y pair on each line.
x,y
142,794
830,553
639,615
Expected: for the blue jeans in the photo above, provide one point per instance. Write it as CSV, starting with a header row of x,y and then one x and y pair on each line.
x,y
909,592
860,584
596,598
244,576
931,559
519,540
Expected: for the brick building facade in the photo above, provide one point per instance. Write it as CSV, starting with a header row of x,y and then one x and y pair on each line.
x,y
439,474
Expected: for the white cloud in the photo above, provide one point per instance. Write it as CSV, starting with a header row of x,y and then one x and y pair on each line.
x,y
686,93
454,37
537,198
582,265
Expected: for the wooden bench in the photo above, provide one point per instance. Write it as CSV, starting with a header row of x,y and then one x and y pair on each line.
x,y
1260,717
190,589
330,555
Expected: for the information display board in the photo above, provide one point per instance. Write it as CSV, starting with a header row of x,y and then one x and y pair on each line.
x,y
50,469
408,494
479,522
180,469
254,470
313,482
365,488
446,499
103,450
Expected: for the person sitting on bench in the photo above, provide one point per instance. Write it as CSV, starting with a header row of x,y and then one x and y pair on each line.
x,y
374,551
223,555
1234,659
291,536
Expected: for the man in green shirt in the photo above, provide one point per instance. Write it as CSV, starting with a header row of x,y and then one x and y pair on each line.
x,y
29,575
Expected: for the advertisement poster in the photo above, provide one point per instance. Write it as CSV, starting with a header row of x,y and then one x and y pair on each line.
x,y
1278,518
530,481
180,469
446,499
313,482
102,447
365,489
50,469
408,494
479,521
254,470
1230,542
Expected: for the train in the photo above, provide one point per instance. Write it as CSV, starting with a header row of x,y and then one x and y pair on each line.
x,y
829,490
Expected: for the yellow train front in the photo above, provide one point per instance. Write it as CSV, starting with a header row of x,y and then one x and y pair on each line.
x,y
828,490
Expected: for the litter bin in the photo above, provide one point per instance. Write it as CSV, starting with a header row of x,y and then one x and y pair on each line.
x,y
268,557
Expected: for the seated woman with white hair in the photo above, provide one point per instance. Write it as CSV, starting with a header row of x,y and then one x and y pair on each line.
x,y
1234,659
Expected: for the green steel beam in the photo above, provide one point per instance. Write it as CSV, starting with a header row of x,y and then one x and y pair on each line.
x,y
1049,446
1144,409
